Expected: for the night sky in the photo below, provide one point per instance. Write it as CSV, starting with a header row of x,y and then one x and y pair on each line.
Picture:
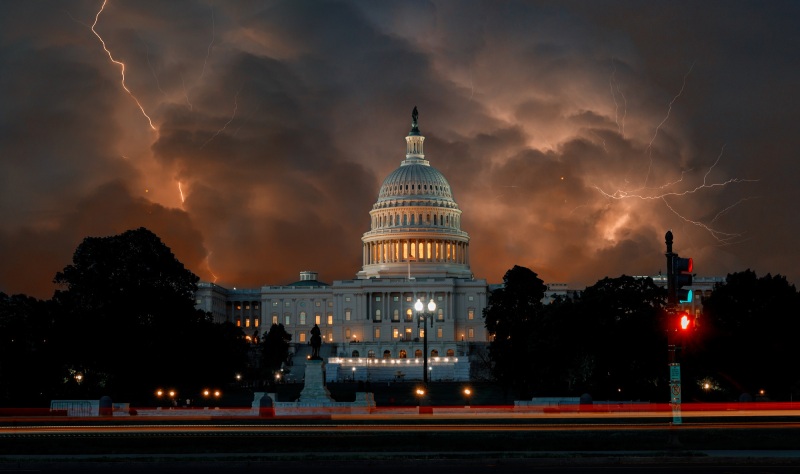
x,y
573,134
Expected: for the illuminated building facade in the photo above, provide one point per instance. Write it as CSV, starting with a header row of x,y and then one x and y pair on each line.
x,y
414,249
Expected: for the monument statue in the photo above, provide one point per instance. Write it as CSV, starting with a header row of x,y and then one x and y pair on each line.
x,y
316,342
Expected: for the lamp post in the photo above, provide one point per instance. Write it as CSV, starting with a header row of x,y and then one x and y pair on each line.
x,y
424,316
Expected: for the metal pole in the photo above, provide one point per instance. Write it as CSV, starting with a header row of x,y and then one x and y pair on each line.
x,y
425,350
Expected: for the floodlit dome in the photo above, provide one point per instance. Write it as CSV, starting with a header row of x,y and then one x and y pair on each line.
x,y
415,223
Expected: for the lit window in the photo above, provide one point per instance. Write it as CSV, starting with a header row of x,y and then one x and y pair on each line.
x,y
396,315
440,314
247,306
330,319
403,354
471,313
274,318
417,354
317,304
409,314
238,323
408,333
377,333
371,354
330,304
347,333
421,333
302,337
330,336
238,306
434,353
395,333
255,322
347,314
408,298
438,333
451,353
255,306
247,323
470,333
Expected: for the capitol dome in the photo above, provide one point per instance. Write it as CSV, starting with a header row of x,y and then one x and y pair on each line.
x,y
415,223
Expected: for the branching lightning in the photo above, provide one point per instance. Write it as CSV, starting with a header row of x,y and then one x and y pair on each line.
x,y
120,64
657,194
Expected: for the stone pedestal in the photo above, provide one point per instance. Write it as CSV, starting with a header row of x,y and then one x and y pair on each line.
x,y
314,389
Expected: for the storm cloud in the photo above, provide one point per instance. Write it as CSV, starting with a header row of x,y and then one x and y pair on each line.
x,y
573,134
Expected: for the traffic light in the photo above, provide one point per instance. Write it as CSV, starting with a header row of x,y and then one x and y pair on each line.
x,y
685,321
681,277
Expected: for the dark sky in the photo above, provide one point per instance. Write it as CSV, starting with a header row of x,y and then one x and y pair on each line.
x,y
573,134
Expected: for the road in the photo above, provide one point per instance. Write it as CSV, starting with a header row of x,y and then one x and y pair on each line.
x,y
409,443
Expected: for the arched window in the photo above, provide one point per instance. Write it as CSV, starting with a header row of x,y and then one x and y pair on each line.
x,y
451,353
417,354
434,353
403,354
355,353
409,314
371,354
387,354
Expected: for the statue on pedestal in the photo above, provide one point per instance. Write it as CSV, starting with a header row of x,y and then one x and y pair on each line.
x,y
316,342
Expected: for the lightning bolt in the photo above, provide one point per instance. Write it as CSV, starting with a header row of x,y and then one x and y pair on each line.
x,y
233,116
649,150
721,237
180,190
208,267
120,64
210,45
612,82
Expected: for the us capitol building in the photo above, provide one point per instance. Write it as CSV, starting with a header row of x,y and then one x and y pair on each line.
x,y
414,250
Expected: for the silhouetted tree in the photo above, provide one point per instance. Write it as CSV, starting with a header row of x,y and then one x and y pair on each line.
x,y
511,318
274,350
747,338
127,319
27,371
615,340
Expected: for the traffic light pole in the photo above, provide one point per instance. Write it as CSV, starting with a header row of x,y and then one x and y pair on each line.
x,y
674,365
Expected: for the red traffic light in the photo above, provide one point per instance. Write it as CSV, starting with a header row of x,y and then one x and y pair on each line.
x,y
685,321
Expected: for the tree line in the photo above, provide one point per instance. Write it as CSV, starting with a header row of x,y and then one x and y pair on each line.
x,y
611,340
122,323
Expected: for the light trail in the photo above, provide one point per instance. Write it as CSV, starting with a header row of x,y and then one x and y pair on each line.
x,y
120,64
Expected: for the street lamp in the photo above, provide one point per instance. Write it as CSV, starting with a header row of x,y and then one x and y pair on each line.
x,y
424,316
